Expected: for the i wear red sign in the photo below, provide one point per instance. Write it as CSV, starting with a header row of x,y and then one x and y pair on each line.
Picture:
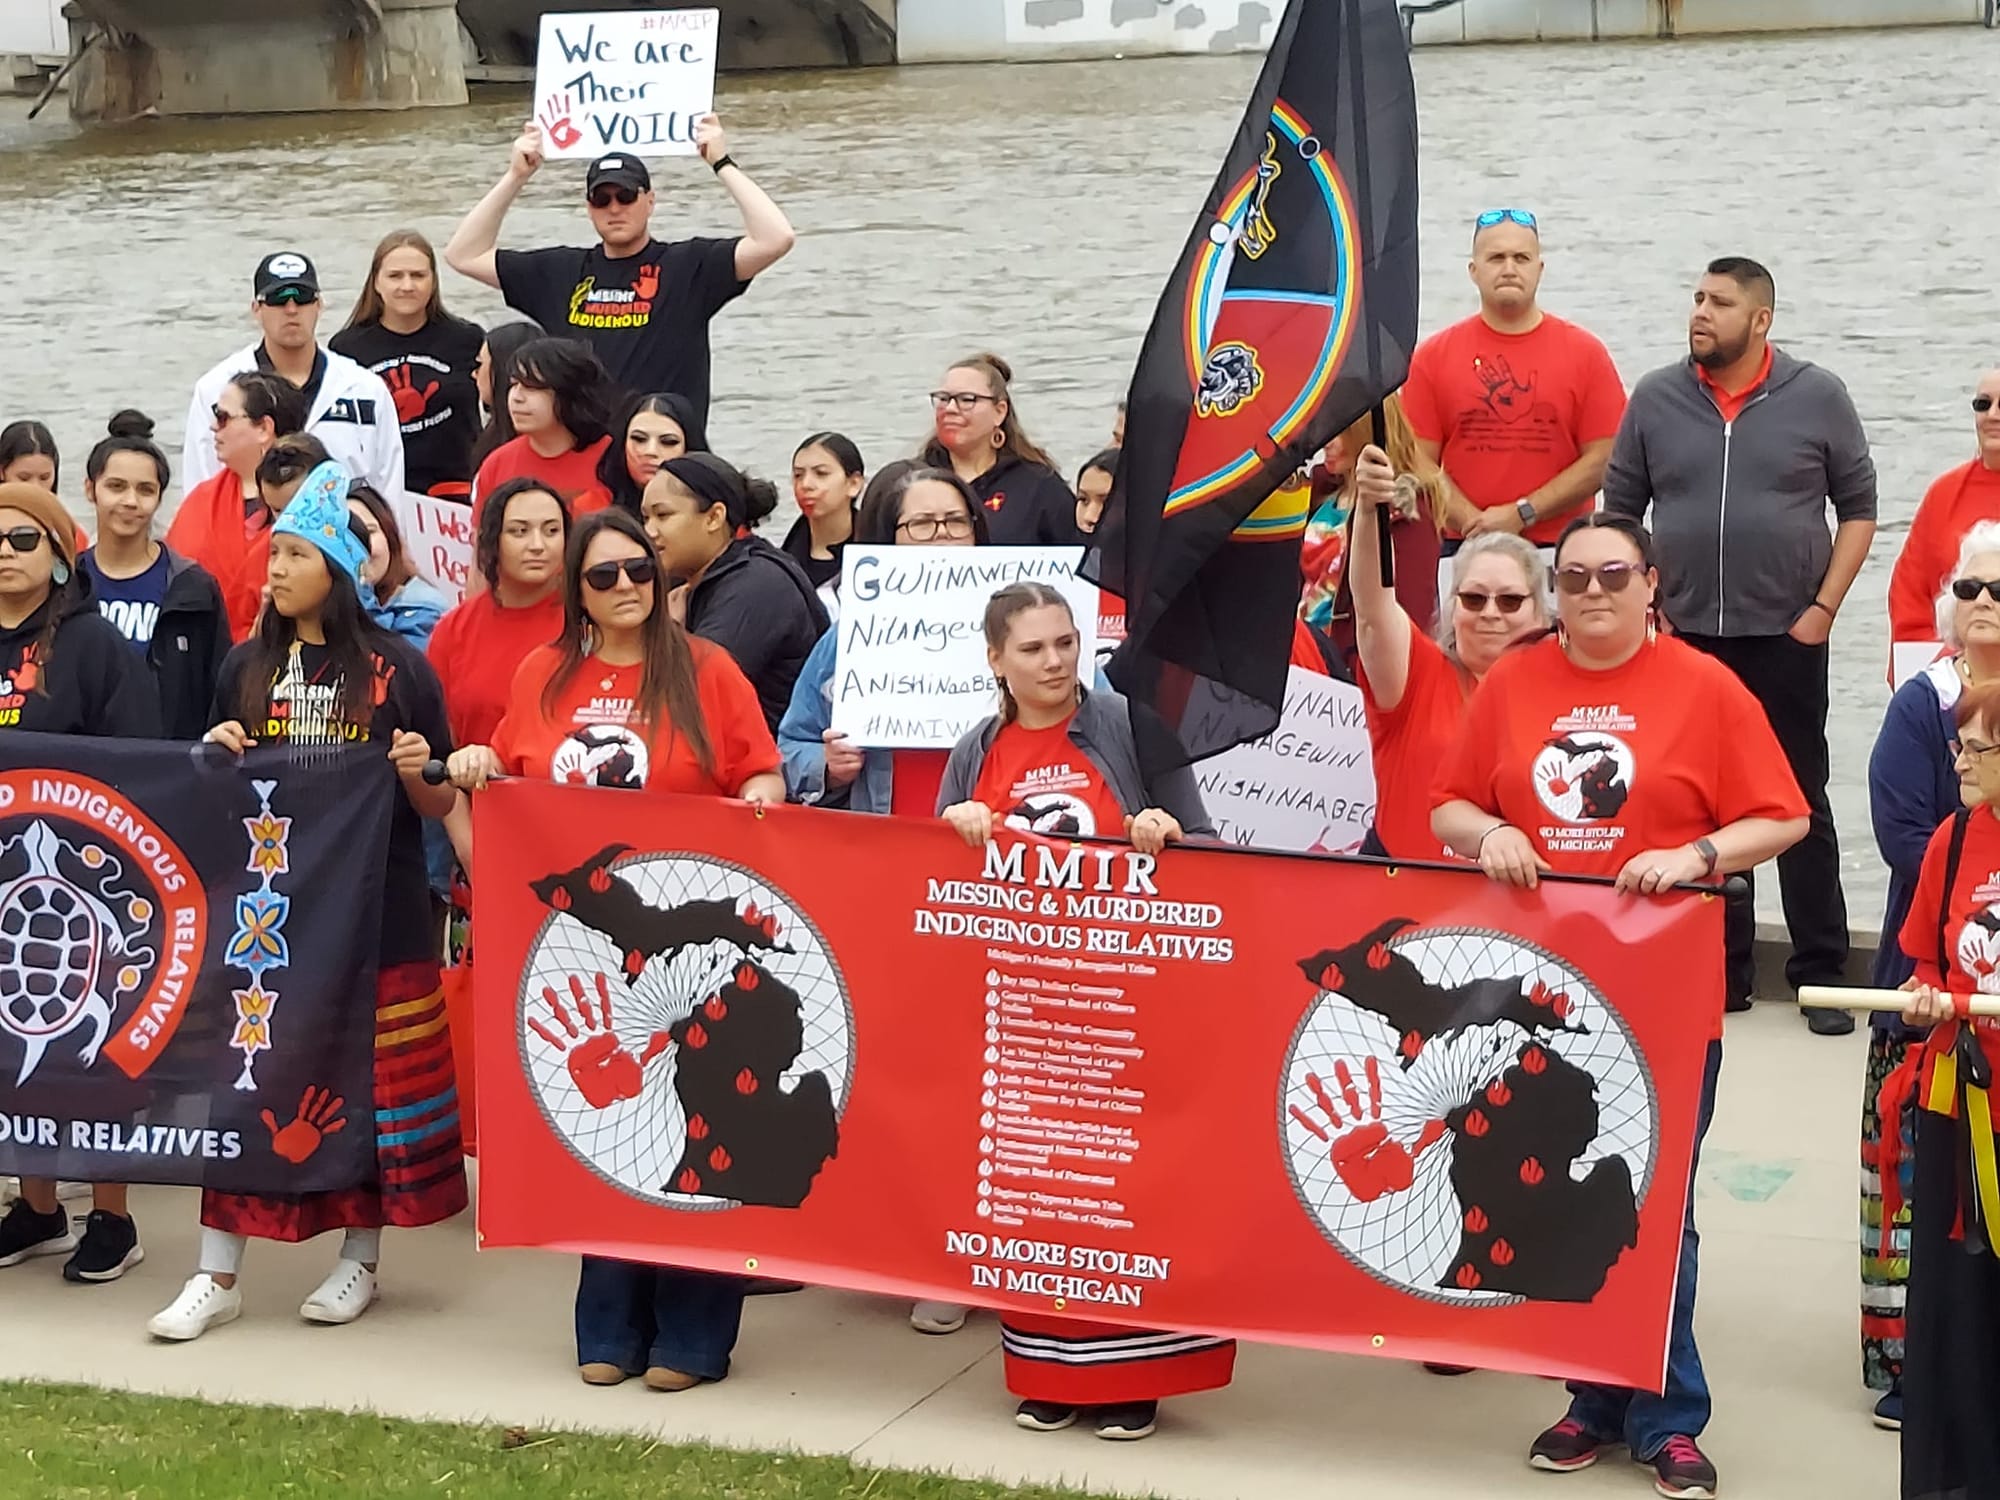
x,y
1295,1099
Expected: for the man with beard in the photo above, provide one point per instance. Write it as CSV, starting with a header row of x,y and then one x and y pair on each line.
x,y
1737,450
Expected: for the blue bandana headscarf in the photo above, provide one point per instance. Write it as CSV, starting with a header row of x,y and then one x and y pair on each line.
x,y
318,514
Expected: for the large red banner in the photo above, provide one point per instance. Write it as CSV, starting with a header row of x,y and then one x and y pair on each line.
x,y
1297,1099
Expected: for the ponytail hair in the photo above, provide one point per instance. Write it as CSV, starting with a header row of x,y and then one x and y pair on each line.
x,y
1015,599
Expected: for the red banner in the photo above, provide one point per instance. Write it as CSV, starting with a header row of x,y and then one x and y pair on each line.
x,y
1296,1099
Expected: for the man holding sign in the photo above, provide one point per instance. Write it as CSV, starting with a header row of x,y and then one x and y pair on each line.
x,y
643,304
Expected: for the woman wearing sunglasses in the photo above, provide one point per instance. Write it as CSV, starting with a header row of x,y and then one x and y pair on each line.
x,y
317,675
650,430
1415,685
1913,786
978,436
64,669
559,400
740,591
1955,501
223,523
627,698
1610,749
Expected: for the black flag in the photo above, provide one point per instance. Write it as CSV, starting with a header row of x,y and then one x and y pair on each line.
x,y
1292,312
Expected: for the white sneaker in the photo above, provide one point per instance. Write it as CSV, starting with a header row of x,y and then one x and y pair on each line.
x,y
200,1306
347,1293
937,1317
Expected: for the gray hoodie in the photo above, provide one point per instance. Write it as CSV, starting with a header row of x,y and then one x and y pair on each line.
x,y
1107,730
1739,508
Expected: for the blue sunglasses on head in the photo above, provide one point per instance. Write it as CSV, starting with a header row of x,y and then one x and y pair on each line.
x,y
1494,216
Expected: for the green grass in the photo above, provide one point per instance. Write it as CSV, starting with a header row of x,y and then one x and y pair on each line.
x,y
75,1443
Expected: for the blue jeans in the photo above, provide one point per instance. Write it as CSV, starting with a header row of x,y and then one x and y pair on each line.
x,y
638,1316
1642,1420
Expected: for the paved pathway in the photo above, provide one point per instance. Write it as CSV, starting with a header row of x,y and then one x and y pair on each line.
x,y
487,1338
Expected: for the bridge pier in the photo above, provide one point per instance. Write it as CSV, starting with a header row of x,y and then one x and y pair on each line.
x,y
197,57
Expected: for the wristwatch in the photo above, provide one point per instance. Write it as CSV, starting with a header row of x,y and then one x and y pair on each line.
x,y
1706,849
1527,512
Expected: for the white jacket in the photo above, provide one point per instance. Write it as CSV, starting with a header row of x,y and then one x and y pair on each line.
x,y
353,415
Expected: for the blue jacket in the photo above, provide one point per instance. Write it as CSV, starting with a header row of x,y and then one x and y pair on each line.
x,y
1912,788
807,717
412,612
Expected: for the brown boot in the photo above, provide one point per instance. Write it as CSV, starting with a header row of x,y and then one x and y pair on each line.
x,y
660,1378
601,1374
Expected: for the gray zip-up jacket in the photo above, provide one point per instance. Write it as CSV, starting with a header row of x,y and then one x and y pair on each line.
x,y
1140,775
1739,508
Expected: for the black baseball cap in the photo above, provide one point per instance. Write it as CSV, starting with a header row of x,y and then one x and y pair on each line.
x,y
618,170
285,270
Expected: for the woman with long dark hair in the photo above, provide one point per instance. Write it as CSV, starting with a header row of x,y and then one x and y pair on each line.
x,y
559,400
650,430
491,376
28,455
827,479
167,607
741,592
393,593
320,674
979,437
400,330
64,669
223,523
627,698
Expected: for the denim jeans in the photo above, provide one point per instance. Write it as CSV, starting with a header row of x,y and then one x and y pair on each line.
x,y
1641,1419
637,1316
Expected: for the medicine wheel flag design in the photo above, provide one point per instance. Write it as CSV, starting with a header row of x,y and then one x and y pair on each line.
x,y
1292,312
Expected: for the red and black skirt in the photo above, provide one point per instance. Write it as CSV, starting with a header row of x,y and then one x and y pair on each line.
x,y
1067,1362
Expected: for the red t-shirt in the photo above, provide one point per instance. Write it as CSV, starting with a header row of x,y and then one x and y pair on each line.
x,y
573,474
592,740
1971,946
1409,742
477,648
1731,403
231,539
1510,411
1950,507
1039,780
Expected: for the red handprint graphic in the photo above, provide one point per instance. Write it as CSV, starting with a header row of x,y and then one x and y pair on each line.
x,y
319,1116
556,123
411,403
604,1070
1508,398
1368,1161
646,283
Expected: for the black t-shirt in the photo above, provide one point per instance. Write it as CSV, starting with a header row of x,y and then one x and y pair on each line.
x,y
89,683
429,375
646,315
301,713
823,571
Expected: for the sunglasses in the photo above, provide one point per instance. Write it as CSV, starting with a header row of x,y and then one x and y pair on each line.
x,y
1968,588
23,539
224,418
962,400
1475,601
290,296
1984,404
603,576
1494,216
604,197
1612,577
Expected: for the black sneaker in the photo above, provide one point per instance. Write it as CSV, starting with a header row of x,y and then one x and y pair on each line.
x,y
25,1234
1043,1416
1889,1410
1830,1022
1681,1471
1126,1424
1567,1447
110,1247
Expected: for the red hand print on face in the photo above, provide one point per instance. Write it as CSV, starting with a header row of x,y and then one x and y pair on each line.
x,y
604,1070
1366,1159
319,1116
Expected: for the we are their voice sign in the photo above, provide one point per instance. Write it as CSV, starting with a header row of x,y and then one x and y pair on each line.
x,y
637,80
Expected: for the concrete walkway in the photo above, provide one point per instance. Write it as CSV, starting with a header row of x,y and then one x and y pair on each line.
x,y
489,1340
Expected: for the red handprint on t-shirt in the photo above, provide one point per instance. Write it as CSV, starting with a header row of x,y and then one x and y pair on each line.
x,y
604,1070
411,403
1366,1159
646,283
1506,397
556,123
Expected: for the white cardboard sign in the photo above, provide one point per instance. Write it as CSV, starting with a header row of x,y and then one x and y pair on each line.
x,y
437,534
1308,785
624,80
910,666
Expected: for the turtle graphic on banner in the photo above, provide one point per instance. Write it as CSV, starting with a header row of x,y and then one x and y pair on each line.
x,y
182,941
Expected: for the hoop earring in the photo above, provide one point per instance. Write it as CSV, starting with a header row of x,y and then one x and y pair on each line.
x,y
999,437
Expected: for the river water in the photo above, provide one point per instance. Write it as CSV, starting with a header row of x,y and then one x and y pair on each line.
x,y
1036,210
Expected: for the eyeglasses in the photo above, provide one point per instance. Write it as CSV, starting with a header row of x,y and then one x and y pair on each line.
x,y
959,400
290,296
1612,577
1971,748
1984,404
930,528
1968,588
23,539
1494,216
603,577
224,418
604,197
1474,602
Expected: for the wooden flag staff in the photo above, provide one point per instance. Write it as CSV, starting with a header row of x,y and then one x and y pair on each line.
x,y
1841,997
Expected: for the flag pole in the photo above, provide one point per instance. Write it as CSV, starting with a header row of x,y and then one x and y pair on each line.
x,y
1385,546
1364,206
